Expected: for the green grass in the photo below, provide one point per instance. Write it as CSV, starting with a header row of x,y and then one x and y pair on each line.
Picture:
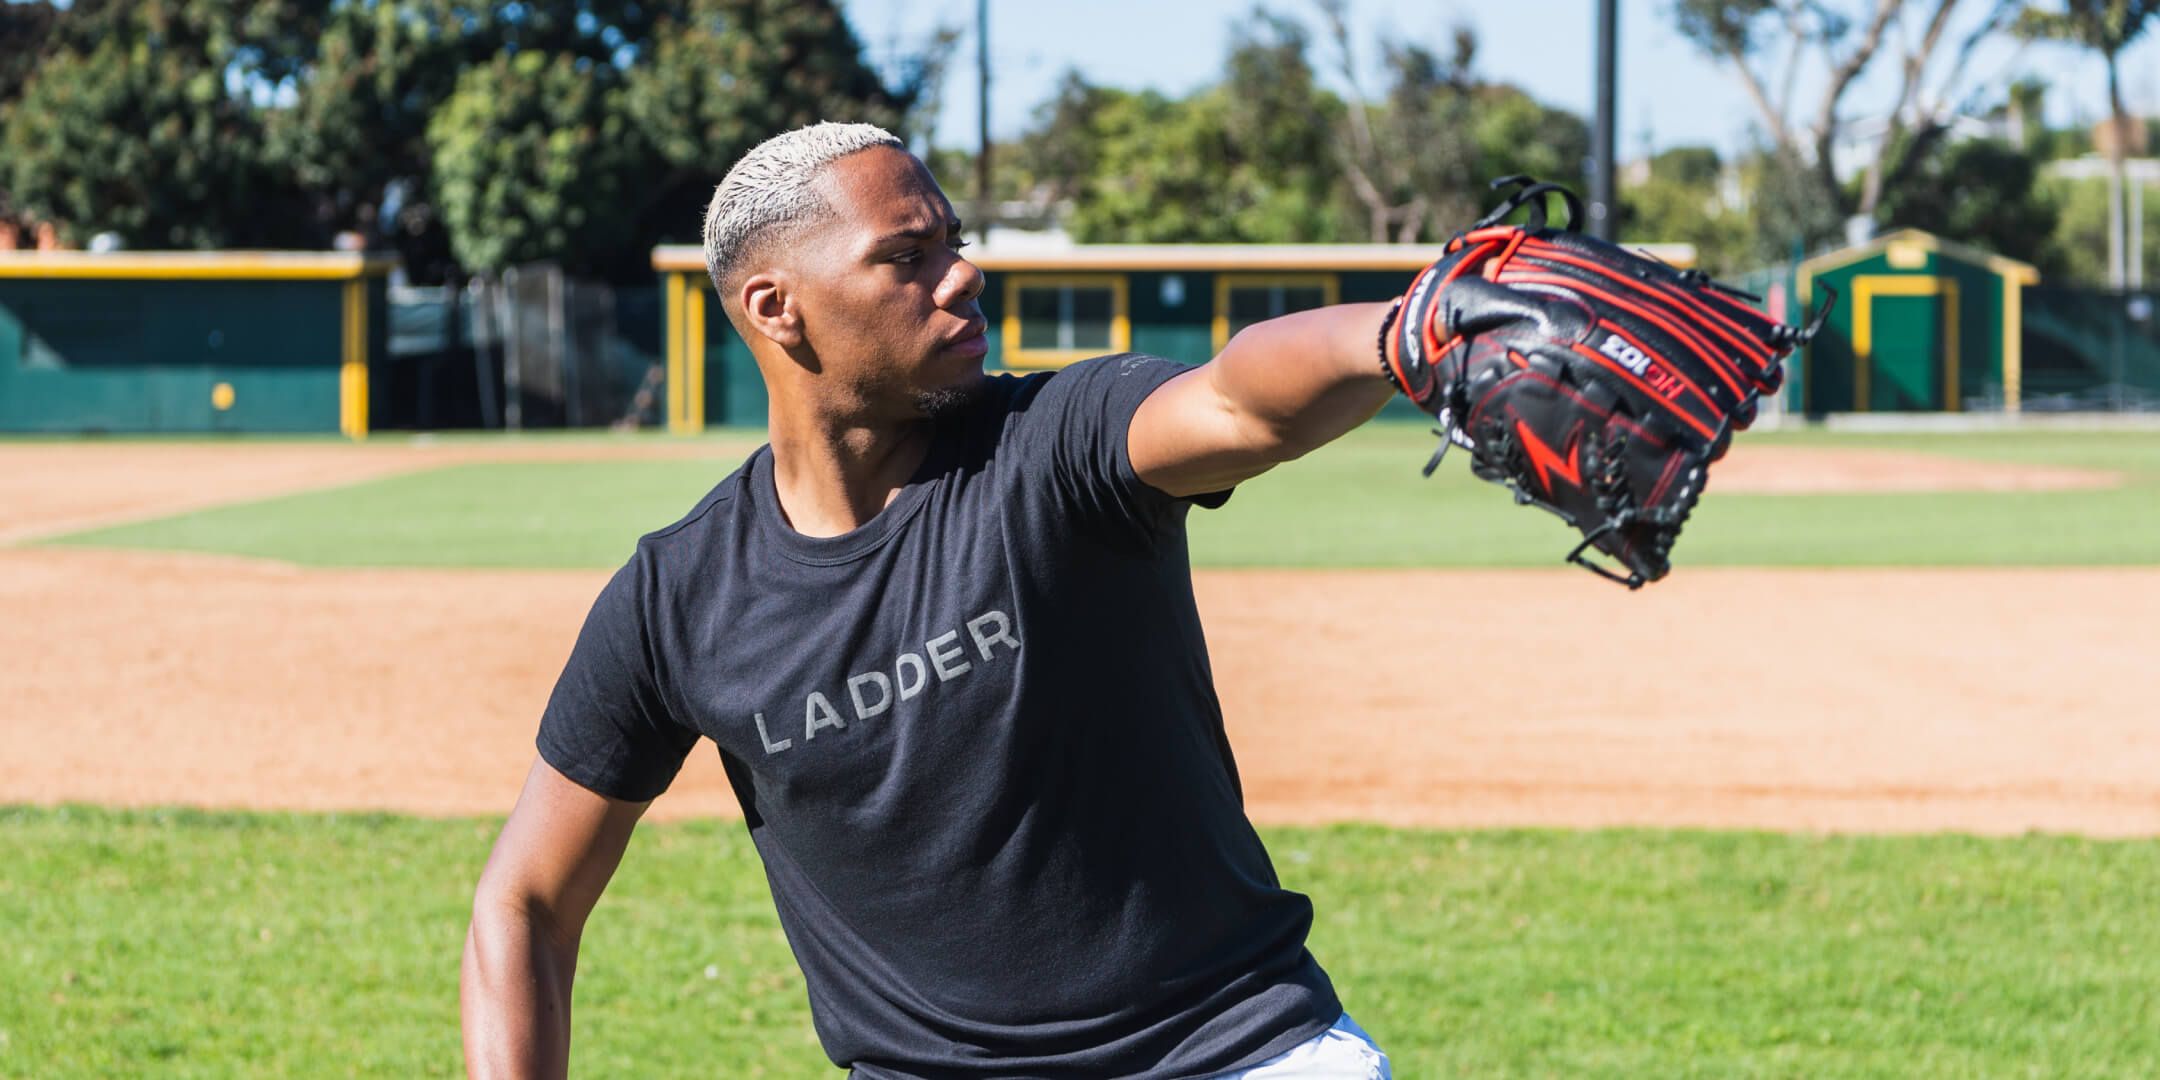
x,y
182,943
1359,502
574,514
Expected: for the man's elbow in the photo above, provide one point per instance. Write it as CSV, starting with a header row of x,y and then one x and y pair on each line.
x,y
1271,440
501,908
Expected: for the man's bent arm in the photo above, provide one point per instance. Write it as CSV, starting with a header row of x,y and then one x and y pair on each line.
x,y
1281,388
552,861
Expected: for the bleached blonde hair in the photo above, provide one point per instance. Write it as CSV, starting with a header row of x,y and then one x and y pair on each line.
x,y
772,187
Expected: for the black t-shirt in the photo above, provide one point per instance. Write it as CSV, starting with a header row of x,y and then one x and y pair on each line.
x,y
978,747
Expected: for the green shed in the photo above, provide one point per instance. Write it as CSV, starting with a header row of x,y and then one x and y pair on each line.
x,y
190,341
1921,324
1050,307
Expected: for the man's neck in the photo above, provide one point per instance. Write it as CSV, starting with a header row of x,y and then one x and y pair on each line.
x,y
833,476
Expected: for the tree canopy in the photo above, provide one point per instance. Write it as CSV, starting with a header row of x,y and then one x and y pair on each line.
x,y
467,135
471,135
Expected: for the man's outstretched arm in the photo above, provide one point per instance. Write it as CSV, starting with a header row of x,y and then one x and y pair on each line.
x,y
552,861
1280,389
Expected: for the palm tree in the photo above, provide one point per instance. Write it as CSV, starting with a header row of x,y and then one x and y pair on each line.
x,y
2106,27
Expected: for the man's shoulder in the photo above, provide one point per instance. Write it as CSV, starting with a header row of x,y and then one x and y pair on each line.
x,y
693,536
1021,389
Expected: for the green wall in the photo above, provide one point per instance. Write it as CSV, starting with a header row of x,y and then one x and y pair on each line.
x,y
99,355
2091,348
1184,331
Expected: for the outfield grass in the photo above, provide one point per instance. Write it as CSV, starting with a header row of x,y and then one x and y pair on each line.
x,y
1361,502
194,944
554,514
1358,502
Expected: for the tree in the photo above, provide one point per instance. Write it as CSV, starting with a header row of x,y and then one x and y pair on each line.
x,y
26,29
356,137
25,33
1245,160
1517,134
1053,160
131,123
1411,163
1161,167
587,140
1266,154
1276,121
1679,200
2086,221
1983,192
535,159
723,75
283,122
1768,43
2106,27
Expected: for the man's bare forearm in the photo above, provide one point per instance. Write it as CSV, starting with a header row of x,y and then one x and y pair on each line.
x,y
1305,379
515,995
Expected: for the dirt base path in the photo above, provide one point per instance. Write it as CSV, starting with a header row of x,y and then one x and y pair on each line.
x,y
1827,470
1989,701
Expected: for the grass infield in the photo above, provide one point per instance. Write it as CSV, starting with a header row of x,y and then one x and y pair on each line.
x,y
187,943
1356,503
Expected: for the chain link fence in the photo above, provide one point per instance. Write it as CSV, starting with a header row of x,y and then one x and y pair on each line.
x,y
533,349
2091,350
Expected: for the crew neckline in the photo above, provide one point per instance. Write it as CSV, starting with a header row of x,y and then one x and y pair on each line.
x,y
864,538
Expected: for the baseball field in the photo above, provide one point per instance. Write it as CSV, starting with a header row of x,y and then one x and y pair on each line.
x,y
1868,787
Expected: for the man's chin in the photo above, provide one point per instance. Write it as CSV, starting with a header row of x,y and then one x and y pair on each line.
x,y
949,401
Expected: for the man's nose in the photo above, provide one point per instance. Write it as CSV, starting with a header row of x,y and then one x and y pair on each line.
x,y
963,283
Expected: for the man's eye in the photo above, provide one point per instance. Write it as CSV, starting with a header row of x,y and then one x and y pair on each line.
x,y
908,256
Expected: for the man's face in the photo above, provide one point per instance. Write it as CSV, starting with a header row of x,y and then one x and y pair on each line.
x,y
889,306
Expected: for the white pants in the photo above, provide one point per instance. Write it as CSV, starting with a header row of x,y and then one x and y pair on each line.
x,y
1342,1052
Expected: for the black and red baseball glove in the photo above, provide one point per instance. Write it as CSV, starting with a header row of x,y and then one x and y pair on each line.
x,y
1594,382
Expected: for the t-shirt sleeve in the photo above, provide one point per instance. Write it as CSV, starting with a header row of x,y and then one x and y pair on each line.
x,y
607,726
1073,431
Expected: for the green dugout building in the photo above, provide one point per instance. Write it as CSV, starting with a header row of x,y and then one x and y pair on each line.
x,y
1048,308
179,342
1920,325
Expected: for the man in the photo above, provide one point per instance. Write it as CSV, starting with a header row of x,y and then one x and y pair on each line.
x,y
942,631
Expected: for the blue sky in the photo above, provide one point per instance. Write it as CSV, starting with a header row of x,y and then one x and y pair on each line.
x,y
1669,94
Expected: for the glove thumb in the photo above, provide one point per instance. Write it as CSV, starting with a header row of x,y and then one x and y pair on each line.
x,y
1472,306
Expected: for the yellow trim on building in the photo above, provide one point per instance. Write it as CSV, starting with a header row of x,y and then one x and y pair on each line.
x,y
1330,286
671,329
677,258
1865,288
353,363
694,356
2013,344
196,265
1120,318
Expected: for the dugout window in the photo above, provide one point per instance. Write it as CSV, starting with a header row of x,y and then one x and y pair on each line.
x,y
1054,320
1244,299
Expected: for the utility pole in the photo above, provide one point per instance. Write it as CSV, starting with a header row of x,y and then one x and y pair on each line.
x,y
1604,209
982,120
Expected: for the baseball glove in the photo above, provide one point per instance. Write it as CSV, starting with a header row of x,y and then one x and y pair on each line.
x,y
1595,383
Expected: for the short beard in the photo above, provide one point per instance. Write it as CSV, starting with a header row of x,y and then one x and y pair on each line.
x,y
946,402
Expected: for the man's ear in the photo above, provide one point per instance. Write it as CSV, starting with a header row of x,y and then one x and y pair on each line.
x,y
768,305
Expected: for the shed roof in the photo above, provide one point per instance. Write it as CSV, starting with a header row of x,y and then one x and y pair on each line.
x,y
2022,273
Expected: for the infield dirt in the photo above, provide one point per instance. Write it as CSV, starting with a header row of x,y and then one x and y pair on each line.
x,y
1851,700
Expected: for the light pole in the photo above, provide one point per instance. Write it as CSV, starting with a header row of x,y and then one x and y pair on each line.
x,y
1604,209
982,120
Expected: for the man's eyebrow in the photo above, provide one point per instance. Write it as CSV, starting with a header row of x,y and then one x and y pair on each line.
x,y
927,232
